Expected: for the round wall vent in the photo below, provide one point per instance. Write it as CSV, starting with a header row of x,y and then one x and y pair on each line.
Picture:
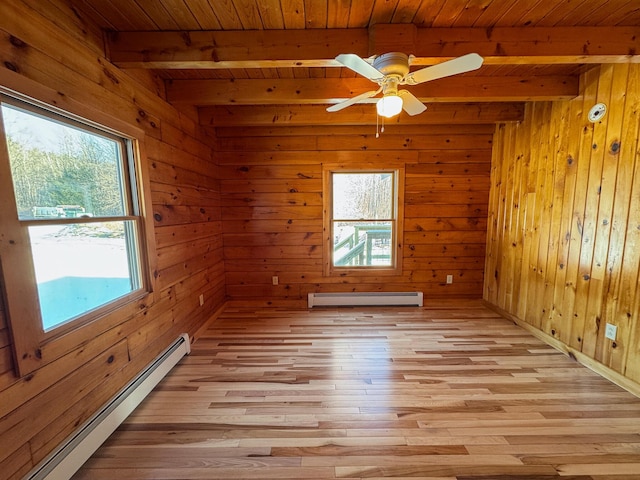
x,y
597,112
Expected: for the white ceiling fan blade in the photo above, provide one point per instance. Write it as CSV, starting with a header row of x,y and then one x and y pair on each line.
x,y
358,65
351,101
466,63
410,103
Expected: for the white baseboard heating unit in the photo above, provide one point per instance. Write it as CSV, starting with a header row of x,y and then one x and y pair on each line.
x,y
63,462
355,299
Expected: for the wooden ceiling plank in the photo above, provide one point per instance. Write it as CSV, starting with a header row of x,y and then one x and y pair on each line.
x,y
563,13
557,14
270,72
319,47
495,9
450,11
293,13
582,15
315,12
323,91
444,13
127,16
162,19
427,13
204,15
625,15
360,13
180,13
303,115
338,13
519,13
97,17
611,11
254,73
406,12
383,11
271,14
472,11
226,13
319,72
301,72
285,72
249,14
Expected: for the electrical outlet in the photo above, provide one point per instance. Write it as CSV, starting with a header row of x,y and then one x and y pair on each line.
x,y
610,331
201,299
449,279
274,280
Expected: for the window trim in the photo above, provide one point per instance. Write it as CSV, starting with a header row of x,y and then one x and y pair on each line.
x,y
32,346
329,270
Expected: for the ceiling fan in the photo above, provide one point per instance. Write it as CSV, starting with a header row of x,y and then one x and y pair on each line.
x,y
391,70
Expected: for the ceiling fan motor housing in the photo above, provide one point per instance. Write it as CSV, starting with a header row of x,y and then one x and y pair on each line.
x,y
393,63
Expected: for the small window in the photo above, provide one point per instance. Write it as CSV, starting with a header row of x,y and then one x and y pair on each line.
x,y
75,194
362,218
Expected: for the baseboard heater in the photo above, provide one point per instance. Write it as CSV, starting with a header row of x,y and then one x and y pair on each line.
x,y
63,462
354,299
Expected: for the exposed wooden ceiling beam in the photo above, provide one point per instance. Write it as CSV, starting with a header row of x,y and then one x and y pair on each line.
x,y
333,90
319,47
303,115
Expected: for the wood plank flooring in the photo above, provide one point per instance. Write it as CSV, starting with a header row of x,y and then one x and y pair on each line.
x,y
447,392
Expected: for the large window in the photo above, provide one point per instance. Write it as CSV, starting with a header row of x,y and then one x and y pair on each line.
x,y
362,217
77,210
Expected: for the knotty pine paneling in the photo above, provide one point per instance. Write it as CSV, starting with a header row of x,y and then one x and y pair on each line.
x,y
51,53
271,197
6,354
563,249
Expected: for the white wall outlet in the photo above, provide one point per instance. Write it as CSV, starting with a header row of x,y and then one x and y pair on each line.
x,y
449,279
201,299
274,280
610,331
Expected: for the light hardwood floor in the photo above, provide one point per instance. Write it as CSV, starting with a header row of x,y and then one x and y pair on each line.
x,y
446,392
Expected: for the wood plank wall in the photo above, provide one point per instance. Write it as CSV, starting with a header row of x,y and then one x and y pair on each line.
x,y
563,248
271,189
47,49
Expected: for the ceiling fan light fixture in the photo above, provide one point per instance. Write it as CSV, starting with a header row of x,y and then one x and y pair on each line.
x,y
391,70
389,106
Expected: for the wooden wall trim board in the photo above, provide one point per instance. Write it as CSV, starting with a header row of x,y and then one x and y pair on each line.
x,y
41,58
563,243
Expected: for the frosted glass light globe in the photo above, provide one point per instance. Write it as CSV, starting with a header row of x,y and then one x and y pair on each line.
x,y
389,106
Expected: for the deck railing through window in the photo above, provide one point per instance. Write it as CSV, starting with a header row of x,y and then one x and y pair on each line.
x,y
368,245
